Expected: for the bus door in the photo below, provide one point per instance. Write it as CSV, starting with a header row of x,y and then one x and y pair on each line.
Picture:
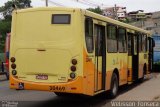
x,y
130,54
150,54
135,55
100,57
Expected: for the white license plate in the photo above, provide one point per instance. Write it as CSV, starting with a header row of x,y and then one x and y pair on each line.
x,y
42,77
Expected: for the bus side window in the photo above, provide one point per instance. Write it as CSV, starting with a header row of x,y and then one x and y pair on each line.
x,y
122,42
146,43
140,42
112,38
89,34
144,40
129,44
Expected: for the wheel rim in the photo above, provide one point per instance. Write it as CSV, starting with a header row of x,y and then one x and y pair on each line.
x,y
114,88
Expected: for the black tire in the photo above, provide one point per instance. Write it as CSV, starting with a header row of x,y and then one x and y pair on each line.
x,y
114,86
61,94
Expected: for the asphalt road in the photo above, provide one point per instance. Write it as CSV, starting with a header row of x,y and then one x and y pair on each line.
x,y
28,98
47,99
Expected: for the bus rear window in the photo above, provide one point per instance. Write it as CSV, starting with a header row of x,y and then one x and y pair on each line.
x,y
61,18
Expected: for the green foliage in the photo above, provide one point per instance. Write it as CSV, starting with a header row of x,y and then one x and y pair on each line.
x,y
157,63
2,59
126,20
156,67
5,27
7,8
5,24
96,10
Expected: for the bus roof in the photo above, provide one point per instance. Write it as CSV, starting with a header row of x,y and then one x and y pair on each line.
x,y
87,13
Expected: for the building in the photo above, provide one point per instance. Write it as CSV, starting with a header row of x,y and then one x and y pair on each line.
x,y
115,12
150,22
138,15
121,13
153,23
156,23
109,12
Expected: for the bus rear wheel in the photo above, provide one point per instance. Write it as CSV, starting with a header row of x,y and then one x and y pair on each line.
x,y
60,94
63,94
114,86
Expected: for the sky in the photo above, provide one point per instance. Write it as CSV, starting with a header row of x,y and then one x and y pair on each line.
x,y
131,5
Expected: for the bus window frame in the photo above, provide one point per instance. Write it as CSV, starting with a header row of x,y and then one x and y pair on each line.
x,y
140,50
69,18
119,27
145,44
107,29
89,18
129,35
144,37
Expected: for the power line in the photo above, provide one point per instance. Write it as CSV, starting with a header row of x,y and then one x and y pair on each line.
x,y
96,3
90,3
57,4
82,2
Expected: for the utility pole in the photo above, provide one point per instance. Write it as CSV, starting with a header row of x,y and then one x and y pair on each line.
x,y
115,12
46,3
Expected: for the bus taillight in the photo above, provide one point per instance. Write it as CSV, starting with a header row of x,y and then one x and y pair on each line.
x,y
74,61
73,68
13,59
14,72
13,66
72,75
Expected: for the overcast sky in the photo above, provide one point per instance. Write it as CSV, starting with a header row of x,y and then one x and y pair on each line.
x,y
132,5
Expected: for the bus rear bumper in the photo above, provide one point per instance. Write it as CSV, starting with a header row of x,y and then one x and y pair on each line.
x,y
74,86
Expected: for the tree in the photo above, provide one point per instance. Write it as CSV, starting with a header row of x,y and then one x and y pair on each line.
x,y
5,27
97,10
7,8
5,24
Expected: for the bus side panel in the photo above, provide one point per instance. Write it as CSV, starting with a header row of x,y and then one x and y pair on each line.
x,y
88,69
111,64
108,79
141,64
119,62
129,68
69,87
123,68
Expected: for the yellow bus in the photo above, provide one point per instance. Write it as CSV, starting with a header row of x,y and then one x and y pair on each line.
x,y
70,50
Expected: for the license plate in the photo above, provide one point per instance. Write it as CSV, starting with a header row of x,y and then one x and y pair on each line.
x,y
42,77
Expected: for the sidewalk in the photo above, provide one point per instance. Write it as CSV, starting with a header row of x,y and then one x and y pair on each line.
x,y
149,90
3,77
